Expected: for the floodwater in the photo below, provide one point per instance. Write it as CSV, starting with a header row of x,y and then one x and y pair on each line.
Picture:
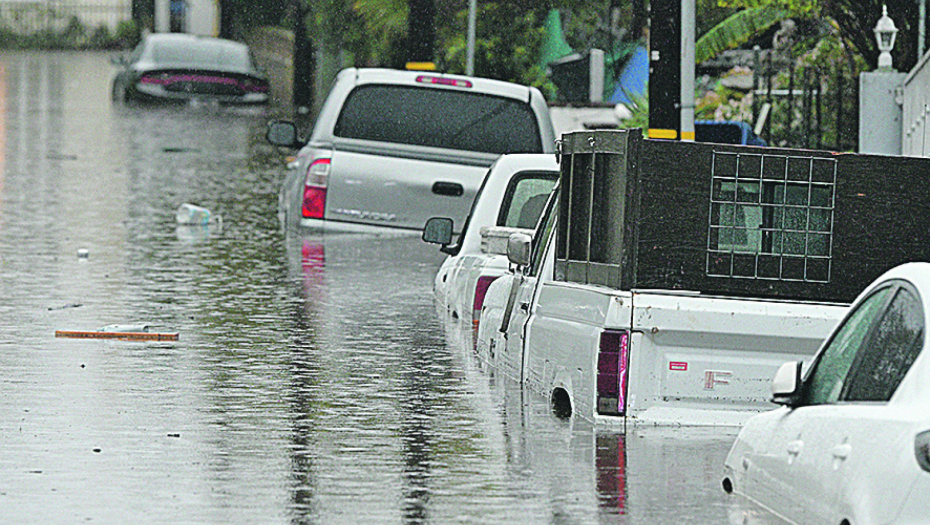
x,y
312,380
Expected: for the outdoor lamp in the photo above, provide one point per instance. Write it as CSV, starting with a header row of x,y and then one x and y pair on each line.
x,y
885,33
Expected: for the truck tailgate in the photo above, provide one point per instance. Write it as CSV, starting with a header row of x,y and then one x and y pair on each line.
x,y
396,192
723,351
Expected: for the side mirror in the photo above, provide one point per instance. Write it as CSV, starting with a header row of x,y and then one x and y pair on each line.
x,y
282,133
119,60
519,246
786,385
438,230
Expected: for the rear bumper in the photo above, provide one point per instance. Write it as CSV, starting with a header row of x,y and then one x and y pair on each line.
x,y
322,225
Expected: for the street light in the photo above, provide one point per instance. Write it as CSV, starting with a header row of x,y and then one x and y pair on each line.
x,y
885,34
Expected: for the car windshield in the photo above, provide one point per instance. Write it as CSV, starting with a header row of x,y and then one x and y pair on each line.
x,y
201,54
440,118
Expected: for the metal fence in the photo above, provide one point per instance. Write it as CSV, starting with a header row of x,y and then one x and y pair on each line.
x,y
44,16
806,107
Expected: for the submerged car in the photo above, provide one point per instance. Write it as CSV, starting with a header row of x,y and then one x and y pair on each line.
x,y
390,149
851,442
510,200
175,67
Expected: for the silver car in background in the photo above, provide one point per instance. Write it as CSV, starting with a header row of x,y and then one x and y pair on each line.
x,y
391,148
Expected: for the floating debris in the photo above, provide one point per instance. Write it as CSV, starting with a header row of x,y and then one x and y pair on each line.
x,y
121,332
63,307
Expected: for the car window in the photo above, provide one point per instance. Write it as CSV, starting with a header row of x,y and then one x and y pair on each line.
x,y
543,232
441,118
889,352
525,198
201,54
826,381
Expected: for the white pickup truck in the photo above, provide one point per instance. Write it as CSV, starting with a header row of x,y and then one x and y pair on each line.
x,y
390,149
510,200
668,281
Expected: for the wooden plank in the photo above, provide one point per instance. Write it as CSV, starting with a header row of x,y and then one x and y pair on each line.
x,y
124,336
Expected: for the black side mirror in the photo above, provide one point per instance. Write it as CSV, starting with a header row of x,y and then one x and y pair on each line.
x,y
519,249
282,133
438,230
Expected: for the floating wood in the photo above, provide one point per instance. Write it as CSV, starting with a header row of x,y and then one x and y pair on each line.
x,y
124,336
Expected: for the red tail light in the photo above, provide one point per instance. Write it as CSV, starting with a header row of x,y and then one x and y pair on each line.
x,y
160,79
314,204
481,289
613,359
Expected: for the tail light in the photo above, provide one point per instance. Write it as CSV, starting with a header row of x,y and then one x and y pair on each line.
x,y
315,188
155,78
922,450
481,289
253,86
613,360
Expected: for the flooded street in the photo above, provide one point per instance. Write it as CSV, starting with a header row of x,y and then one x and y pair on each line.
x,y
312,380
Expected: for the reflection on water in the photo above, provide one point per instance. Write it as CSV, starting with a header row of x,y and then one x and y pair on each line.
x,y
312,381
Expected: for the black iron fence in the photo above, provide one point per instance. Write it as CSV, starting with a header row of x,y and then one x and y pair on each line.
x,y
814,107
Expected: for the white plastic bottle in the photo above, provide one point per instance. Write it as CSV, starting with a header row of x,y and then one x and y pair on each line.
x,y
193,215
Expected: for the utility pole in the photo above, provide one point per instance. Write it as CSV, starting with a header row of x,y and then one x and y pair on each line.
x,y
304,63
671,70
470,41
421,34
664,69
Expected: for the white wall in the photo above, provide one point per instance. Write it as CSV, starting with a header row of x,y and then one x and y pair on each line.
x,y
915,139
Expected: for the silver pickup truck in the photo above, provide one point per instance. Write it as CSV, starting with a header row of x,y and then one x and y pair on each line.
x,y
390,148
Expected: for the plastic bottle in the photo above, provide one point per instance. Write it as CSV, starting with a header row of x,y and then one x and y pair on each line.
x,y
193,214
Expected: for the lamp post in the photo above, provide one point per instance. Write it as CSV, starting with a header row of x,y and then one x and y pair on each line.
x,y
885,34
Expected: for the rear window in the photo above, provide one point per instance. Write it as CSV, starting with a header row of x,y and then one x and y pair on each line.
x,y
439,118
201,54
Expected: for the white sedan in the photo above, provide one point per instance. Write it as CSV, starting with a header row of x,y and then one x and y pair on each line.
x,y
851,442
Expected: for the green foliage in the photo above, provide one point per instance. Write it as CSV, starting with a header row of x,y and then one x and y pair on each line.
x,y
725,103
639,114
797,7
511,55
736,30
54,33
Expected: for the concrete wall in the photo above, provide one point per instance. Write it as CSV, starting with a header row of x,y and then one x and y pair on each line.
x,y
915,140
880,112
274,51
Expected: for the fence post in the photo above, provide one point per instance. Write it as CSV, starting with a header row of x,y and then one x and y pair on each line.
x,y
840,87
790,111
819,109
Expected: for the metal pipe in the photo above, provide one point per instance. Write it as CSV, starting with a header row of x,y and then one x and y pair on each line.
x,y
470,46
921,28
687,69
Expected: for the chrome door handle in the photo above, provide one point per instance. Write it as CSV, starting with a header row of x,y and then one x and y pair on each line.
x,y
795,447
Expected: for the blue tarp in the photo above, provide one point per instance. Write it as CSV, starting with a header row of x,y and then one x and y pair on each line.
x,y
633,79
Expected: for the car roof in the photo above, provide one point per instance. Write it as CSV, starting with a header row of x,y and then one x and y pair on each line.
x,y
527,161
210,51
477,84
